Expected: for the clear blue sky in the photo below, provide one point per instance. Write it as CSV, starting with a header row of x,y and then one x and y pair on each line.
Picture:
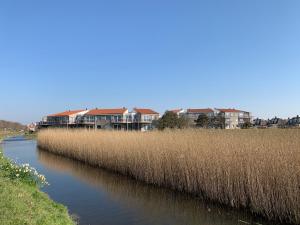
x,y
59,54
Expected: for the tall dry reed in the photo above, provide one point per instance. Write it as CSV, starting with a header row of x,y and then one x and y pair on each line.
x,y
255,169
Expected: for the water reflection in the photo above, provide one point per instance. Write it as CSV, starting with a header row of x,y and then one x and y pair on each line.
x,y
155,205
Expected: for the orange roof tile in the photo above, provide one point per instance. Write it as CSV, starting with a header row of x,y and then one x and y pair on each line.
x,y
229,110
95,112
145,111
66,113
208,110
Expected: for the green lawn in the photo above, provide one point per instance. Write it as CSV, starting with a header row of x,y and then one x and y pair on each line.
x,y
21,201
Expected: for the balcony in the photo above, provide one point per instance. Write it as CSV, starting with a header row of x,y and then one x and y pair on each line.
x,y
114,120
54,123
130,120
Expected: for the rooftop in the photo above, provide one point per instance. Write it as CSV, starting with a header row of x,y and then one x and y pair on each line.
x,y
229,110
207,110
67,113
145,111
117,111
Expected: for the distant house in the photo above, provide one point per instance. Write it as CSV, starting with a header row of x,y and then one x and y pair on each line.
x,y
62,119
260,123
294,122
276,122
143,118
32,127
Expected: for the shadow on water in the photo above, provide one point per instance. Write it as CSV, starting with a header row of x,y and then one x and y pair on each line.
x,y
101,197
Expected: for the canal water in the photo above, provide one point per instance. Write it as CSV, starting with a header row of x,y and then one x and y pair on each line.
x,y
98,197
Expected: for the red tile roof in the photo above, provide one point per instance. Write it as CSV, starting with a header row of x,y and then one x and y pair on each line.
x,y
66,113
95,112
208,110
229,110
145,111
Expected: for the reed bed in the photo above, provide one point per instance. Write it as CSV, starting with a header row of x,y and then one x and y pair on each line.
x,y
254,169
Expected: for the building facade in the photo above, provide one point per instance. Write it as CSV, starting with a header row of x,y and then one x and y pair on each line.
x,y
103,118
294,122
193,114
62,119
117,119
260,123
234,118
276,122
143,118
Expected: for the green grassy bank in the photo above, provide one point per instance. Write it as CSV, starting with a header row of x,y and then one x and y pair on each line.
x,y
21,200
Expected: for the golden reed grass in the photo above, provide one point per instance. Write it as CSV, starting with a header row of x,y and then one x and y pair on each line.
x,y
184,209
255,169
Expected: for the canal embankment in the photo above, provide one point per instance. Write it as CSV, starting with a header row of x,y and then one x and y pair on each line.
x,y
254,169
22,202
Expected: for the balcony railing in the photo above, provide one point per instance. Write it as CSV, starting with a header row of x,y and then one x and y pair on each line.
x,y
120,120
52,123
87,121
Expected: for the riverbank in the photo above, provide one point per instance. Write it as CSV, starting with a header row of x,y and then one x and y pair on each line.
x,y
6,134
254,169
21,200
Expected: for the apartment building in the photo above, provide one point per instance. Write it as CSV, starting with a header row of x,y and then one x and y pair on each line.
x,y
103,118
117,118
231,117
62,119
193,114
143,118
244,117
234,118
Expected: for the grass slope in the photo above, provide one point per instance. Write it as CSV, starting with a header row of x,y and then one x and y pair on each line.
x,y
23,203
